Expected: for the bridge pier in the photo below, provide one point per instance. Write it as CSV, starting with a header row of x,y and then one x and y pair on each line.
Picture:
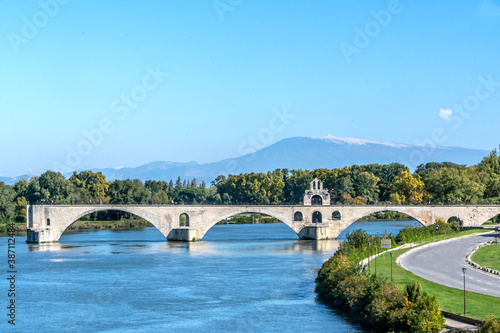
x,y
315,232
182,235
40,235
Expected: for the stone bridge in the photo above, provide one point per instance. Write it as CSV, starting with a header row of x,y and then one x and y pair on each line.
x,y
46,223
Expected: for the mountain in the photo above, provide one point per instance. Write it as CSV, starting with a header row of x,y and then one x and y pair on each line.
x,y
299,153
13,180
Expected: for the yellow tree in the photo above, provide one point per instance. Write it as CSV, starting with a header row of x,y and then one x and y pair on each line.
x,y
407,189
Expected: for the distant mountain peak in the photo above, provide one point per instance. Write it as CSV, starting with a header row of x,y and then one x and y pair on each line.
x,y
354,141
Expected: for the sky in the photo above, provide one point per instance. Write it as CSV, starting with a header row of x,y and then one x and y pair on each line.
x,y
94,84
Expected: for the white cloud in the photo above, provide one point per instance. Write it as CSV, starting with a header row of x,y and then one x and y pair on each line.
x,y
446,114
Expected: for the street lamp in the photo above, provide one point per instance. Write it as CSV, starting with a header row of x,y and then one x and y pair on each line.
x,y
437,231
369,255
464,269
391,265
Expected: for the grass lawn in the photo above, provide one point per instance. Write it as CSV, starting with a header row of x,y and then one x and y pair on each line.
x,y
450,299
488,256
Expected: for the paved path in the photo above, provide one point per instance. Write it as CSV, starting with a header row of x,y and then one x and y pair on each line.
x,y
451,323
442,263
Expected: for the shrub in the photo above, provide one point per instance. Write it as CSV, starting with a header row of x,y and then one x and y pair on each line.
x,y
490,325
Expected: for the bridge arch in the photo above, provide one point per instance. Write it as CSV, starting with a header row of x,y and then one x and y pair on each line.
x,y
402,211
247,210
316,200
184,220
488,217
317,217
336,215
383,209
71,219
298,216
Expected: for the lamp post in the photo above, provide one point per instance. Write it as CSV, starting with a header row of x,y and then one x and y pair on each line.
x,y
464,269
437,231
369,255
391,265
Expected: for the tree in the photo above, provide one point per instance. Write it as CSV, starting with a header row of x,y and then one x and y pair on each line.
x,y
298,182
453,184
407,189
128,192
21,187
217,180
365,185
56,186
6,205
94,182
178,183
20,205
35,192
160,197
424,169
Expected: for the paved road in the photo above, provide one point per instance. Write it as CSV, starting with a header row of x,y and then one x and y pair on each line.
x,y
442,263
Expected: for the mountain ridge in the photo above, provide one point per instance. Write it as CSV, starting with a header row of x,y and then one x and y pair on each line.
x,y
296,153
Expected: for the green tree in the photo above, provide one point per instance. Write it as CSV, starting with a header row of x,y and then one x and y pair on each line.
x,y
20,205
365,186
178,183
128,192
56,187
35,192
160,197
7,195
453,184
21,187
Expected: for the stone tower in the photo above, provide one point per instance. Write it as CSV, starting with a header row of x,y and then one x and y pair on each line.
x,y
316,194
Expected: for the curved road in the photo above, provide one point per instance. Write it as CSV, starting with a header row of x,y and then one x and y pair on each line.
x,y
442,263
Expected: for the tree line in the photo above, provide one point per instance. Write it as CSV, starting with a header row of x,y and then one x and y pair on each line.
x,y
430,183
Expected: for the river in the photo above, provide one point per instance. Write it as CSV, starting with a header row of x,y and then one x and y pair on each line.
x,y
240,278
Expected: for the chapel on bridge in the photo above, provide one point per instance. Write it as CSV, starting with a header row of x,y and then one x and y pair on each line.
x,y
316,195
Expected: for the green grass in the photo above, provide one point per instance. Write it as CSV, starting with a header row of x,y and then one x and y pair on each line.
x,y
488,256
479,306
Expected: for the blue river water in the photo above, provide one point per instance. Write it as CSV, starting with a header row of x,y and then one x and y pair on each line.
x,y
240,278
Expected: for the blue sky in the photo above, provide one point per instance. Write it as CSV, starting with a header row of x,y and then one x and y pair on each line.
x,y
123,83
